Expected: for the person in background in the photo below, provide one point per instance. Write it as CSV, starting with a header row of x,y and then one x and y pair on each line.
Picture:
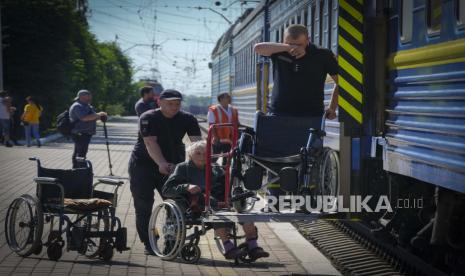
x,y
5,115
223,113
30,119
147,100
84,118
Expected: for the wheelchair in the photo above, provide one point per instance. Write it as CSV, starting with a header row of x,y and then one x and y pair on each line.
x,y
288,151
62,195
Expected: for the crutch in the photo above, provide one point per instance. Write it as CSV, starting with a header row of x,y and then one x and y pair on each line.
x,y
108,147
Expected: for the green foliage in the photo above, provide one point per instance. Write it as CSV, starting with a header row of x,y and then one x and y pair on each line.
x,y
51,54
115,109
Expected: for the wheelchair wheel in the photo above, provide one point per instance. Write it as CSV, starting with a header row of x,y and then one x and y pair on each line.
x,y
54,250
24,225
329,173
328,184
167,230
243,205
237,187
106,251
100,223
190,253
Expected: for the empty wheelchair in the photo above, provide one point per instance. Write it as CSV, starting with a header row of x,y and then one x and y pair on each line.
x,y
287,152
66,207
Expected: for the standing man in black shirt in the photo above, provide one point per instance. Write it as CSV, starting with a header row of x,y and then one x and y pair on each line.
x,y
146,101
299,75
158,149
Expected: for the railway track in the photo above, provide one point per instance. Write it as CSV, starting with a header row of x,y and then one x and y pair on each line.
x,y
356,252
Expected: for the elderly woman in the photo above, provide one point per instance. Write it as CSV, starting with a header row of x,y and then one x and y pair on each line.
x,y
189,179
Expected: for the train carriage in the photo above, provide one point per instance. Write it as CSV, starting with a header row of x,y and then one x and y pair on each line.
x,y
401,118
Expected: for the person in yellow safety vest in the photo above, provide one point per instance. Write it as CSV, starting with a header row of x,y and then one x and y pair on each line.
x,y
223,113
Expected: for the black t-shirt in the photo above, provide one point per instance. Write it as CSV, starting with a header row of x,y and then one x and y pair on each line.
x,y
142,106
169,133
298,88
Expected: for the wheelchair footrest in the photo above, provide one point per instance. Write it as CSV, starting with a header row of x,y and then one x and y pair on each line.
x,y
121,239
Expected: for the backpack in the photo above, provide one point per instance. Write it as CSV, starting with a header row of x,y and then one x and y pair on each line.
x,y
64,124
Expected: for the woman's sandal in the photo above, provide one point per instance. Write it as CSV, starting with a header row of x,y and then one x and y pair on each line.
x,y
234,253
257,253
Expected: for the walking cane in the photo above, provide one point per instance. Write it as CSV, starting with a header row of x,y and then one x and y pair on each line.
x,y
108,146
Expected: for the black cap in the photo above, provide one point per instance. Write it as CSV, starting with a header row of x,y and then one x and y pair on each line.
x,y
170,95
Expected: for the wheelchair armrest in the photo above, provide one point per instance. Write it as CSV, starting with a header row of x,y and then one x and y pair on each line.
x,y
110,181
46,180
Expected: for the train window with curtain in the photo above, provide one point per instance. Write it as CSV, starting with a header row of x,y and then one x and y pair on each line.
x,y
334,26
321,13
433,16
305,17
249,59
460,12
313,27
330,25
406,20
282,34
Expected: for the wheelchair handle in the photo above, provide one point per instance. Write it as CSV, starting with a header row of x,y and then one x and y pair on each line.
x,y
323,122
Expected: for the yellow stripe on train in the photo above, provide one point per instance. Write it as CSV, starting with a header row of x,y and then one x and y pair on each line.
x,y
350,109
437,54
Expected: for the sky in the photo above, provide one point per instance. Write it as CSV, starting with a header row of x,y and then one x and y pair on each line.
x,y
170,40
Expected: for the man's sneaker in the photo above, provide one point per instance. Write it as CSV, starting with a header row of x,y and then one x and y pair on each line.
x,y
148,250
8,144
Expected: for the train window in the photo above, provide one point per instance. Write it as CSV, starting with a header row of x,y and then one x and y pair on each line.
x,y
320,33
460,12
305,17
406,20
330,25
433,16
334,26
313,28
282,34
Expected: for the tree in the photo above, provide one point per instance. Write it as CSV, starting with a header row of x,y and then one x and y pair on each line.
x,y
51,54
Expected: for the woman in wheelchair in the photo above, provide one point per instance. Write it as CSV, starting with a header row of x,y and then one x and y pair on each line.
x,y
188,182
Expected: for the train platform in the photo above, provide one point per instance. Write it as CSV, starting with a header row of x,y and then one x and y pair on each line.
x,y
290,253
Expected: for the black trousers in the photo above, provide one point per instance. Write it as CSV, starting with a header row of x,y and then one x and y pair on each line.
x,y
144,178
81,146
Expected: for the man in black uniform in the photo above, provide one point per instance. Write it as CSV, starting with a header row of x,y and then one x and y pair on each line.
x,y
158,149
299,75
146,101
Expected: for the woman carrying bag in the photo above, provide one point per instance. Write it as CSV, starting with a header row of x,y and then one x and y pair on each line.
x,y
30,120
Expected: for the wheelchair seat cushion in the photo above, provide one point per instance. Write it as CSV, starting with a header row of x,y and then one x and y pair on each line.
x,y
86,205
279,136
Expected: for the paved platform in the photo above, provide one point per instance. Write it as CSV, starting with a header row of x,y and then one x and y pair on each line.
x,y
290,252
